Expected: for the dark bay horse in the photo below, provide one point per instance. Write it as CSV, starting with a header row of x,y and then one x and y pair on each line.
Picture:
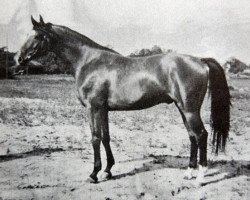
x,y
107,81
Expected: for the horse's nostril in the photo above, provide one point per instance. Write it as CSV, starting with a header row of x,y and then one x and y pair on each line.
x,y
20,59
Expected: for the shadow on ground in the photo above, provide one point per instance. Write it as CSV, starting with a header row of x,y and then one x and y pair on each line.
x,y
230,168
34,152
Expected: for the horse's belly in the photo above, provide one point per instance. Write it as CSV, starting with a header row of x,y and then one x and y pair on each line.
x,y
137,95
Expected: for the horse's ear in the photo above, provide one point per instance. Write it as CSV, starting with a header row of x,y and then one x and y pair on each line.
x,y
34,22
41,21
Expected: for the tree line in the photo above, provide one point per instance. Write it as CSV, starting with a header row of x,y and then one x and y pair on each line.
x,y
50,64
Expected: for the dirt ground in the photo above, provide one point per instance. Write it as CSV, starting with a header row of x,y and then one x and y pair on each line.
x,y
45,149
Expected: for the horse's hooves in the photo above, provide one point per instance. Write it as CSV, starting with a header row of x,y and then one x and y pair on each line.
x,y
91,180
199,181
106,176
187,177
188,174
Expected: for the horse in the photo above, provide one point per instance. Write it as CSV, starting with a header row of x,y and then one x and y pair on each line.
x,y
108,81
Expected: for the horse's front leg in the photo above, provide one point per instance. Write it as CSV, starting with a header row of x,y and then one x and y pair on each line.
x,y
106,143
95,117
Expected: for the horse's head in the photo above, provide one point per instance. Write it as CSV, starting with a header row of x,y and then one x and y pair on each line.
x,y
37,44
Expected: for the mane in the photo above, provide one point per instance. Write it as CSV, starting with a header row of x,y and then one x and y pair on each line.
x,y
76,37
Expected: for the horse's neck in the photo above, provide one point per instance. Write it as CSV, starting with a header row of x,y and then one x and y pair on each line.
x,y
75,49
76,56
88,55
69,54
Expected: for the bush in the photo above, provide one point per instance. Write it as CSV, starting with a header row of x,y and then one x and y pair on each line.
x,y
235,66
6,56
149,52
52,65
48,64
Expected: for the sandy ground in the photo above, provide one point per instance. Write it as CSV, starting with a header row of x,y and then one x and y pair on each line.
x,y
47,162
52,160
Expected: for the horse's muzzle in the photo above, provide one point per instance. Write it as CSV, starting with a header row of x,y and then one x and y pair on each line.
x,y
16,70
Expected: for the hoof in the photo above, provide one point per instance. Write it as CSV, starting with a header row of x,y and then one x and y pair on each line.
x,y
199,182
187,177
188,174
91,180
106,176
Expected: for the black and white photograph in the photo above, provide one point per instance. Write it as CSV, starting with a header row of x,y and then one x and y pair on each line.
x,y
124,99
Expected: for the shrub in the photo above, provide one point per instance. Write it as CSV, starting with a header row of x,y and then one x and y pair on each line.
x,y
6,60
149,52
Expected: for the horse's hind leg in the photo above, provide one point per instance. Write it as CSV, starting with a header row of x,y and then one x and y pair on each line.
x,y
193,150
198,133
193,158
106,143
198,138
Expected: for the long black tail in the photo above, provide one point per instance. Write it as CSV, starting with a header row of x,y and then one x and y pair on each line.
x,y
220,103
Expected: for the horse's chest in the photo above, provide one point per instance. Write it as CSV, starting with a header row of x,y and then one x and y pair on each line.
x,y
94,89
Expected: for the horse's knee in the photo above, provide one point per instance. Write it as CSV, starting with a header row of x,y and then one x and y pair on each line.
x,y
96,141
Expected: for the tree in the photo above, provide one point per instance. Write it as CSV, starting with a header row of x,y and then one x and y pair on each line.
x,y
6,61
148,52
235,65
50,64
156,50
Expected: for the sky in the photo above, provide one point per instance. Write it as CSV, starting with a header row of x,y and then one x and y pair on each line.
x,y
206,28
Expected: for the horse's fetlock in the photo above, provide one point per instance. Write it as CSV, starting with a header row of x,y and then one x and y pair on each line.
x,y
98,167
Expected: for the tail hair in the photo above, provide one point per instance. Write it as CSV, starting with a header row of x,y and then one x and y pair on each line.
x,y
220,104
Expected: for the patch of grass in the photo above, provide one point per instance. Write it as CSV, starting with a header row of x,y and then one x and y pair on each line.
x,y
34,112
47,87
